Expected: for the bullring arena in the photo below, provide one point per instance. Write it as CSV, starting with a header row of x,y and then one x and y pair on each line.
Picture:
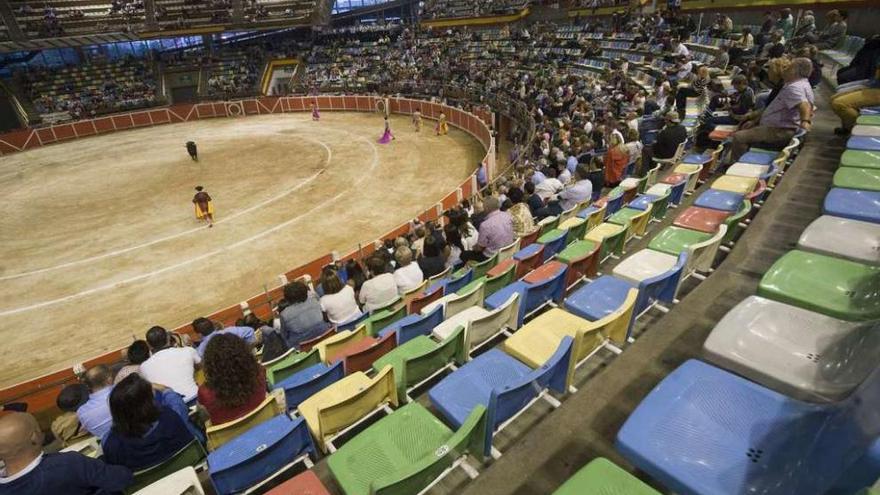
x,y
97,226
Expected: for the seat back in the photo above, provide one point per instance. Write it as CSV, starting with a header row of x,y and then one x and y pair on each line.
x,y
617,325
554,241
548,224
585,266
352,324
445,273
565,215
259,454
480,269
184,481
419,302
660,206
576,230
508,399
220,434
350,410
676,193
492,285
701,256
461,302
307,345
191,455
596,218
652,176
330,348
362,360
382,318
505,316
663,287
508,251
411,294
529,238
639,223
552,289
732,222
295,394
455,284
693,177
290,363
422,326
469,439
613,205
528,264
419,367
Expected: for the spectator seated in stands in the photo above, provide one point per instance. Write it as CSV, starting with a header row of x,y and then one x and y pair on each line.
x,y
235,384
523,222
338,302
136,354
408,274
95,413
433,259
27,470
301,318
791,109
208,330
832,35
66,427
381,288
668,139
149,424
495,232
861,68
169,366
847,104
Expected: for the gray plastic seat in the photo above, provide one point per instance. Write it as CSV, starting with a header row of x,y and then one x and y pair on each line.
x,y
797,352
844,238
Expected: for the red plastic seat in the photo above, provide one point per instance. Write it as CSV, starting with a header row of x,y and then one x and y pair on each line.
x,y
306,483
544,272
500,268
701,219
673,179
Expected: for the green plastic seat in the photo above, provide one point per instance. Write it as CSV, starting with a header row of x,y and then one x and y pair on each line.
x,y
612,237
660,206
576,227
291,364
860,159
868,120
624,216
470,286
835,287
866,179
421,357
404,452
603,477
576,250
189,456
481,268
384,317
675,240
494,284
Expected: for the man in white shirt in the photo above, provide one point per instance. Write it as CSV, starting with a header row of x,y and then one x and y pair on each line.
x,y
173,367
678,48
380,290
409,275
549,186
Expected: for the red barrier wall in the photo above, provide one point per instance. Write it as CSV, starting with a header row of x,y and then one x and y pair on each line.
x,y
40,393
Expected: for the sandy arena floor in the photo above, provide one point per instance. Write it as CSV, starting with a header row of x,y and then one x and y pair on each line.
x,y
100,242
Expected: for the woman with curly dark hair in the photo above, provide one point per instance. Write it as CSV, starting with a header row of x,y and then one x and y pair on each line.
x,y
235,384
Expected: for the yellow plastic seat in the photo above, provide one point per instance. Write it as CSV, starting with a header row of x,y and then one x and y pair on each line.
x,y
693,173
346,403
220,434
329,348
739,185
603,230
538,339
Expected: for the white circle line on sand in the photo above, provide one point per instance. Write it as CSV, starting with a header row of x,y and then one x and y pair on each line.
x,y
160,240
215,252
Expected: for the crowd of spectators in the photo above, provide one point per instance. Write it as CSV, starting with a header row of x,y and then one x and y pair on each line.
x,y
590,126
434,9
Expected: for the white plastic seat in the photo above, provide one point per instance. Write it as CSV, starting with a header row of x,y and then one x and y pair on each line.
x,y
800,353
643,265
747,170
659,190
844,238
185,481
442,331
866,130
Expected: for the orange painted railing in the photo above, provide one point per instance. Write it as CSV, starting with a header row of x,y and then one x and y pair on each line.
x,y
40,393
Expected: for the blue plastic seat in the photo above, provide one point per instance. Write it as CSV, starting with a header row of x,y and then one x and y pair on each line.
x,y
869,111
586,212
306,383
866,143
697,158
704,430
501,383
599,298
676,192
854,204
642,202
719,200
662,287
532,296
411,326
352,324
613,205
259,453
527,251
554,245
759,157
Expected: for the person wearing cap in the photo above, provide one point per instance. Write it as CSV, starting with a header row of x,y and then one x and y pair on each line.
x,y
66,427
